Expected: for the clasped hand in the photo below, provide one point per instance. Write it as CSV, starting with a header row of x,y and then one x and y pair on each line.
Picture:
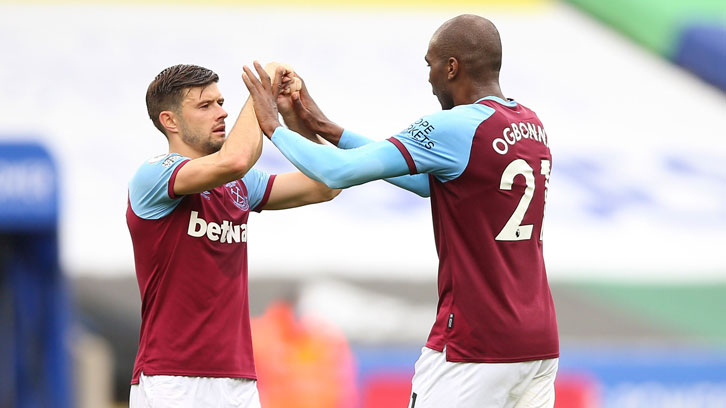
x,y
286,94
264,93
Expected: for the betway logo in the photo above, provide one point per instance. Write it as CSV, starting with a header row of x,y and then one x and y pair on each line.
x,y
225,233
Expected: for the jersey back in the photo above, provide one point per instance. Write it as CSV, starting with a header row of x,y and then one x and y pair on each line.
x,y
495,303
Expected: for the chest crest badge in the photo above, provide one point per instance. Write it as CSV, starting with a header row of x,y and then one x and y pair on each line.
x,y
238,195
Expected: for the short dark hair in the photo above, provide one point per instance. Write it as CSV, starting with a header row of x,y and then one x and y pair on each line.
x,y
165,91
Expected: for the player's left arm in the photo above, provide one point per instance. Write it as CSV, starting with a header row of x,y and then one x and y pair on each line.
x,y
415,183
276,192
305,112
295,189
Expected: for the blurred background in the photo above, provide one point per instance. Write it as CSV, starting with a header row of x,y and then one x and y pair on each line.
x,y
343,294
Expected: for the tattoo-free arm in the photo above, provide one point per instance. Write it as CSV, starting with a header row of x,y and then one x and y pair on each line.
x,y
295,189
345,168
237,155
335,167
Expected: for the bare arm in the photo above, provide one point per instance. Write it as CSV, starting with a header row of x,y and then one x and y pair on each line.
x,y
309,116
238,153
334,167
295,189
307,112
292,120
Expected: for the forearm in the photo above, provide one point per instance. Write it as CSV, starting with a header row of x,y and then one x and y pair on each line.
x,y
351,140
294,189
233,160
340,168
334,167
416,183
330,131
244,143
294,123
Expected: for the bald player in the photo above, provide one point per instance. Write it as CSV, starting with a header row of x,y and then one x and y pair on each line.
x,y
485,162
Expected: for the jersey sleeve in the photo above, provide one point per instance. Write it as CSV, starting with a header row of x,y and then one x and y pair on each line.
x,y
416,183
151,190
339,168
259,185
440,143
351,140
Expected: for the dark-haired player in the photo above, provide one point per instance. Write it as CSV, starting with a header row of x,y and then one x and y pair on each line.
x,y
187,216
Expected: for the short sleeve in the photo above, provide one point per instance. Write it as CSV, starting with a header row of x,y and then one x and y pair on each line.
x,y
151,190
259,185
440,143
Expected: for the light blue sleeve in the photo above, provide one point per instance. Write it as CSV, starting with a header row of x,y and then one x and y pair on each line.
x,y
351,140
149,188
256,182
416,183
440,143
339,168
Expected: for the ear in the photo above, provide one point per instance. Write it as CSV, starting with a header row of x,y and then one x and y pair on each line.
x,y
169,120
452,68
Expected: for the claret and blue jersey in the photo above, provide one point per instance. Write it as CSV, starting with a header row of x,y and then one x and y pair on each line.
x,y
440,144
151,195
190,254
489,165
486,167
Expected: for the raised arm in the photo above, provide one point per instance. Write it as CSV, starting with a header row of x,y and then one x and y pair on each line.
x,y
334,167
340,168
308,113
415,183
237,155
290,117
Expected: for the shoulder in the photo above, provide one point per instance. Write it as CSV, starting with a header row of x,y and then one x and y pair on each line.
x,y
454,119
157,167
163,161
150,195
155,173
459,112
473,111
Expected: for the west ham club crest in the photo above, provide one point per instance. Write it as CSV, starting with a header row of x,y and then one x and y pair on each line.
x,y
239,197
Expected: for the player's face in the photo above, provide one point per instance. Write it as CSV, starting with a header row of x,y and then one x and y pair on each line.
x,y
202,119
438,77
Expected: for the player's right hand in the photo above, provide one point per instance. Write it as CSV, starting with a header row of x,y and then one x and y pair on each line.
x,y
264,93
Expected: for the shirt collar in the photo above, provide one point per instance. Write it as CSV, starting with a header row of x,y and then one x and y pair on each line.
x,y
511,103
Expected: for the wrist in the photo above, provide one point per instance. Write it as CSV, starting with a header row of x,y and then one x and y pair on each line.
x,y
330,131
270,128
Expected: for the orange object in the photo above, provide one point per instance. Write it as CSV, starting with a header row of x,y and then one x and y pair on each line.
x,y
301,363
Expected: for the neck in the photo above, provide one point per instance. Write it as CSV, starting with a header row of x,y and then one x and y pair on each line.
x,y
473,92
177,146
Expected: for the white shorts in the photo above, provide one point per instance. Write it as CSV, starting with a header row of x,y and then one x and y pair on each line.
x,y
439,383
172,391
